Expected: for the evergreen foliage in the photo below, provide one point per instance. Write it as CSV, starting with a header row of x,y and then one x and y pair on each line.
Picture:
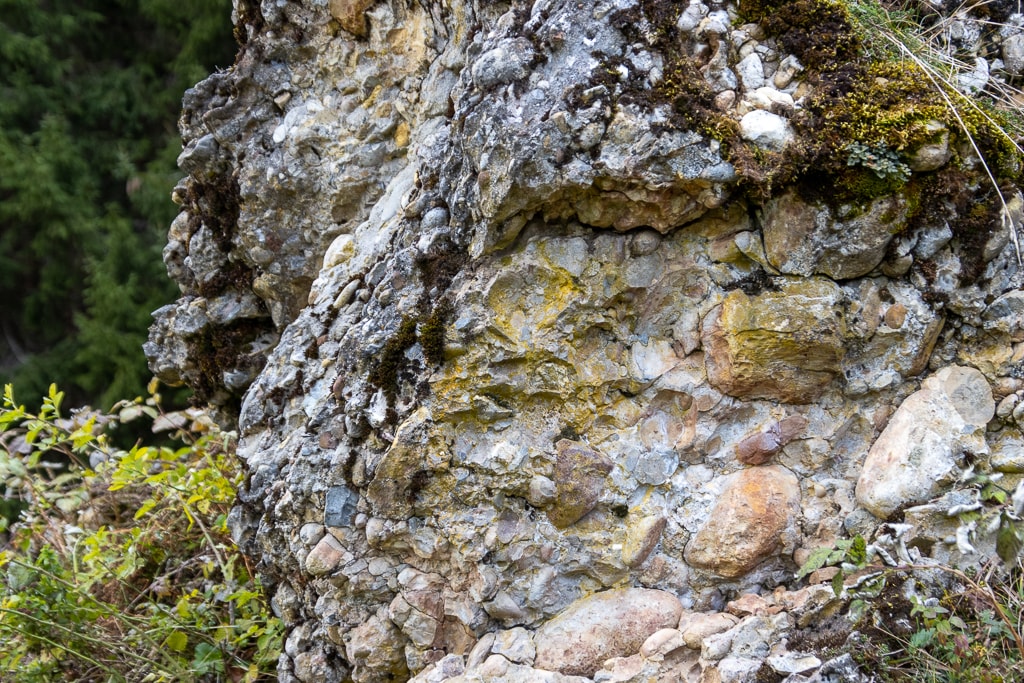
x,y
89,94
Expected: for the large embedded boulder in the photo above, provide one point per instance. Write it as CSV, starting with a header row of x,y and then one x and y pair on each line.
x,y
922,448
785,345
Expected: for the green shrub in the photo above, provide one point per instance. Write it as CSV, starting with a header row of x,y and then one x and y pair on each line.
x,y
929,622
119,566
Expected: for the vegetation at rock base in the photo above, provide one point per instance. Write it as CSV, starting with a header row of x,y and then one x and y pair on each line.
x,y
912,622
89,94
119,566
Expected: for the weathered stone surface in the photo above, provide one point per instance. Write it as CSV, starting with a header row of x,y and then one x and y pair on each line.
x,y
934,154
580,474
766,130
325,557
515,645
793,663
921,447
748,523
757,449
351,14
661,643
609,624
499,320
784,345
1013,53
804,239
641,539
696,626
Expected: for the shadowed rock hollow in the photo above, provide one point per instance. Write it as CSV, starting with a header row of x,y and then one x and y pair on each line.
x,y
551,329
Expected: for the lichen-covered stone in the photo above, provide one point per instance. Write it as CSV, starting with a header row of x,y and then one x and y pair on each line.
x,y
802,238
785,345
641,539
509,311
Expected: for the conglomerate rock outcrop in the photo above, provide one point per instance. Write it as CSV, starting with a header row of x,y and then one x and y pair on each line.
x,y
550,329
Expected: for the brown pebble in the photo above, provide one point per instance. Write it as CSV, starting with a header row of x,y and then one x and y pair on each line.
x,y
758,449
823,575
895,316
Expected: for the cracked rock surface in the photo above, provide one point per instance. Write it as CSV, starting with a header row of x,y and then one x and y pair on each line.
x,y
531,385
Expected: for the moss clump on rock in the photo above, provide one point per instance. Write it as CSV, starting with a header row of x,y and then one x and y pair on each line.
x,y
818,32
432,332
385,375
886,104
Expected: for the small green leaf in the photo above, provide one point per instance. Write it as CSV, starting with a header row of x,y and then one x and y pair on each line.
x,y
208,659
1008,539
858,552
177,641
922,638
146,506
993,494
837,583
817,559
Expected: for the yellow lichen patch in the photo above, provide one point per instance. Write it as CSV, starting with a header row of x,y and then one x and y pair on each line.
x,y
525,303
411,40
372,99
402,135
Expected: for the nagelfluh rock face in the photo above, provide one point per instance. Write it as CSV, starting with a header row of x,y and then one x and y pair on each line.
x,y
551,329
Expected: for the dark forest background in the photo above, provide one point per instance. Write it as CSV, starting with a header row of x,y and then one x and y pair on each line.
x,y
90,92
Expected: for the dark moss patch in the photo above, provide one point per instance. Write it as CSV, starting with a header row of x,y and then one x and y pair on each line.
x,y
818,32
248,14
234,275
218,349
756,283
384,375
440,268
432,332
215,203
567,432
765,674
973,228
827,636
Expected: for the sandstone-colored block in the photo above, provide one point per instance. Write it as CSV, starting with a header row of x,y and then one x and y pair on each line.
x,y
696,626
598,627
641,539
351,14
785,345
326,556
748,522
758,448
